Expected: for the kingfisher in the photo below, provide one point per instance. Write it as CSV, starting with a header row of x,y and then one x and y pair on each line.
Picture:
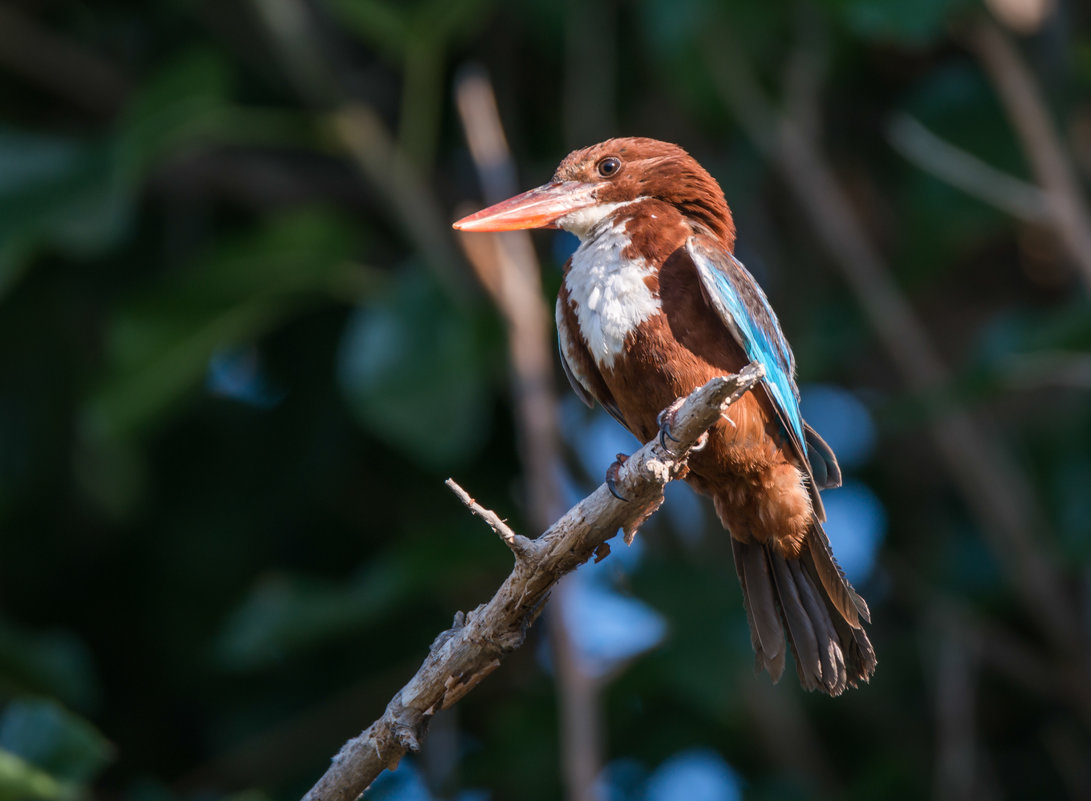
x,y
654,304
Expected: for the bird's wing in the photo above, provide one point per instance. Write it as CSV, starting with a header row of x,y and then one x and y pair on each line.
x,y
745,311
576,369
581,391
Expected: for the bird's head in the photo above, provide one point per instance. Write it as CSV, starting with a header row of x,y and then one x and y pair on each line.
x,y
594,182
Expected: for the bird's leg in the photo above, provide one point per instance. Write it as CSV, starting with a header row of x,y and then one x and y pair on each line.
x,y
665,420
611,476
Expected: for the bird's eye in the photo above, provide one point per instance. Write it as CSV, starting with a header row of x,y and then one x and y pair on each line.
x,y
609,166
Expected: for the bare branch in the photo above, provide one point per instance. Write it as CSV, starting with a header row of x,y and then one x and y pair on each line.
x,y
957,768
520,545
375,153
59,65
1048,368
991,483
460,658
510,271
784,727
355,129
966,171
1031,120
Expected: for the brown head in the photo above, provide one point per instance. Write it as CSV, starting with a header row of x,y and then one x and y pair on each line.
x,y
590,182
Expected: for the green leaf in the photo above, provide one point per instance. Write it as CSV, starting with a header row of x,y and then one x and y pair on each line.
x,y
50,737
285,614
185,102
670,27
441,21
410,365
393,27
60,189
49,663
14,260
77,194
159,343
19,780
917,23
380,24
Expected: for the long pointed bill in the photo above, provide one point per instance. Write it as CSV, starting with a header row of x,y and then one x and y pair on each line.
x,y
536,208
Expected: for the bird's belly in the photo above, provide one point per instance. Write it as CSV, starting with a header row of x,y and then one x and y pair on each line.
x,y
747,465
655,369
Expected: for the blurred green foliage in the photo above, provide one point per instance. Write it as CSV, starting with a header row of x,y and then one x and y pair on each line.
x,y
233,382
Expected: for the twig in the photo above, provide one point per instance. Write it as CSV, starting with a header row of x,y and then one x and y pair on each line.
x,y
990,482
1015,655
374,152
64,68
464,655
1054,368
361,134
579,701
591,33
520,545
956,679
787,731
508,268
966,171
1029,117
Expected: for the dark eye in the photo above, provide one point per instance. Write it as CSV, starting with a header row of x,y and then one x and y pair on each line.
x,y
609,166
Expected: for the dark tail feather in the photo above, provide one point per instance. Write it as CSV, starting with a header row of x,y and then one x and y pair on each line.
x,y
819,561
831,652
758,591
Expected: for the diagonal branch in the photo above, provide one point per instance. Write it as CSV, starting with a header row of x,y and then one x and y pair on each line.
x,y
984,471
509,270
462,656
356,129
1030,118
966,171
58,65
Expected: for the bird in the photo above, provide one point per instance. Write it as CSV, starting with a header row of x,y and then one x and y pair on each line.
x,y
653,304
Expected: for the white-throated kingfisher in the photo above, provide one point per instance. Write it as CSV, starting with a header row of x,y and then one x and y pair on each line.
x,y
653,305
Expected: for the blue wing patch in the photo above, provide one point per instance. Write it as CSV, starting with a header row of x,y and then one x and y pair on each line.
x,y
746,312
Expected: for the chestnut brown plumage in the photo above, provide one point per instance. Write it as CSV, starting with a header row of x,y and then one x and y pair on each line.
x,y
653,304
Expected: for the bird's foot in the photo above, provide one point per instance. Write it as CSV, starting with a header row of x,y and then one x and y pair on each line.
x,y
611,475
666,421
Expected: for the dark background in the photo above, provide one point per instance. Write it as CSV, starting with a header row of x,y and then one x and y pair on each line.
x,y
241,351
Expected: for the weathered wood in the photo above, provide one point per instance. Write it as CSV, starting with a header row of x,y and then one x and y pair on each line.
x,y
465,654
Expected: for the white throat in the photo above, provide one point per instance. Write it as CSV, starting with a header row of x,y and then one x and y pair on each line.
x,y
608,290
583,221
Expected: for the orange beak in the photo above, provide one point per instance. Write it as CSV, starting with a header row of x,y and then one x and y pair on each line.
x,y
536,208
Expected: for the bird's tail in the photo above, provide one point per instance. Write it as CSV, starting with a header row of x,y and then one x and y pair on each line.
x,y
807,601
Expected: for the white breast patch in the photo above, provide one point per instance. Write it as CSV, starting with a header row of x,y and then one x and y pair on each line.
x,y
609,293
